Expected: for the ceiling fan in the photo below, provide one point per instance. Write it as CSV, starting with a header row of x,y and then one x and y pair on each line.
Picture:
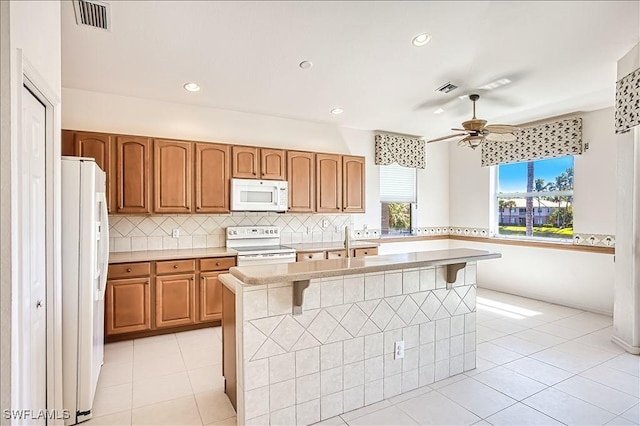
x,y
477,131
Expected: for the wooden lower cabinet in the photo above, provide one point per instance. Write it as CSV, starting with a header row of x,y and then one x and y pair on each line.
x,y
210,296
335,254
157,297
370,251
314,255
127,305
175,300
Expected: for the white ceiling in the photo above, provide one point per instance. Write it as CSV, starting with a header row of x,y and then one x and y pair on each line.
x,y
561,57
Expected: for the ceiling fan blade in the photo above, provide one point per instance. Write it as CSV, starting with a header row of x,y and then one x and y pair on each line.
x,y
459,130
462,142
447,137
501,128
501,137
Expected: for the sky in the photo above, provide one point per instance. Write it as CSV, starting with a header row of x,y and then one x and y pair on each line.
x,y
513,177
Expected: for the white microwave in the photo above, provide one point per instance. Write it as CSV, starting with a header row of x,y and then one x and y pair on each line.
x,y
251,195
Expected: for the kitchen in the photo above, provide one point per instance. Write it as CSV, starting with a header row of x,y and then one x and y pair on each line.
x,y
195,180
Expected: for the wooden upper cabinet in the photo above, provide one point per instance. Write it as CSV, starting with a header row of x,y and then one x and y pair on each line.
x,y
132,174
301,177
272,164
172,176
245,163
92,145
127,306
175,300
66,147
353,188
328,183
212,178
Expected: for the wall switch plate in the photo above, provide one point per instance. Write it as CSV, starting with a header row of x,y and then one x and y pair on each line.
x,y
175,233
325,223
308,229
337,228
398,352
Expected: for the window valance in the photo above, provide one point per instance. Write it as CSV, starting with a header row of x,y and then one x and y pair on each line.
x,y
628,102
403,150
554,139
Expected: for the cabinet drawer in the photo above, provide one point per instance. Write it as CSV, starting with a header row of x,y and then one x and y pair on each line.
x,y
313,255
217,264
175,266
336,254
365,252
129,270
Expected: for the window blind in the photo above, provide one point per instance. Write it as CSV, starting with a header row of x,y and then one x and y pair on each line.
x,y
397,184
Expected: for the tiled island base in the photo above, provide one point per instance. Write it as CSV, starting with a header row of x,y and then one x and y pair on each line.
x,y
338,355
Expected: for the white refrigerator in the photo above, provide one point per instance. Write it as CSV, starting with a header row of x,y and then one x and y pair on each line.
x,y
85,260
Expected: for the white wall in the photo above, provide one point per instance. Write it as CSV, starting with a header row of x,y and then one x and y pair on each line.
x,y
34,28
553,275
573,278
595,178
626,318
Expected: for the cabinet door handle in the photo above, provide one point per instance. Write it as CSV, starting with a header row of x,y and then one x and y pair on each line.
x,y
217,263
175,266
146,283
202,277
128,269
337,208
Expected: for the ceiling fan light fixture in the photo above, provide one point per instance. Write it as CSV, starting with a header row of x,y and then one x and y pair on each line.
x,y
421,39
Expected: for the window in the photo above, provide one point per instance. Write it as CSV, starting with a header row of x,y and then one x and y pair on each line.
x,y
397,199
535,199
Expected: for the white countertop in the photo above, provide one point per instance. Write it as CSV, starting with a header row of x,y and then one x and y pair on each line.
x,y
337,245
149,255
299,271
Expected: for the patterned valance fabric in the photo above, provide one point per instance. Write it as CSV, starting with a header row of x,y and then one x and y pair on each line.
x,y
403,150
628,102
555,139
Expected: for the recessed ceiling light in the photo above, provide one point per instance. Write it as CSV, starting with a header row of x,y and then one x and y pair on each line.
x,y
305,65
438,111
337,111
421,39
191,87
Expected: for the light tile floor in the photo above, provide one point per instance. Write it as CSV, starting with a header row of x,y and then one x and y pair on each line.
x,y
538,364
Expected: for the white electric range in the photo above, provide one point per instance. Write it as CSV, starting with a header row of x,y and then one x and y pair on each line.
x,y
258,245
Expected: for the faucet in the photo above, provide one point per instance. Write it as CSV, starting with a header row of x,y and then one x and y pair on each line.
x,y
347,241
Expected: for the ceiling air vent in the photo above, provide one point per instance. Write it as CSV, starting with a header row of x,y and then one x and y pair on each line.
x,y
92,13
446,88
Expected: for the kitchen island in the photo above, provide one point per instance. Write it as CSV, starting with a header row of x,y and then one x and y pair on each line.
x,y
306,341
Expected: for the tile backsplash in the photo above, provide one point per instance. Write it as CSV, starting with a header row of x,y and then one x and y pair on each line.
x,y
135,232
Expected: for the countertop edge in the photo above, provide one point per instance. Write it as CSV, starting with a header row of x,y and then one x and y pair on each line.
x,y
175,254
353,270
229,281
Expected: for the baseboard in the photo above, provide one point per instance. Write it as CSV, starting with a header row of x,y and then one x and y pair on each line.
x,y
634,350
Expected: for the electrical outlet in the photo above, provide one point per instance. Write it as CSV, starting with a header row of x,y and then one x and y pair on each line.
x,y
398,352
175,233
325,223
308,229
337,228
